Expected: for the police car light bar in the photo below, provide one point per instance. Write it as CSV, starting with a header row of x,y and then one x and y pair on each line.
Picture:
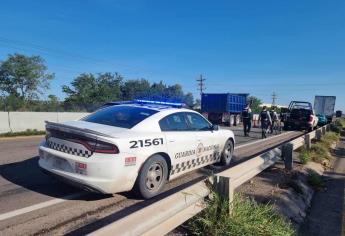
x,y
172,104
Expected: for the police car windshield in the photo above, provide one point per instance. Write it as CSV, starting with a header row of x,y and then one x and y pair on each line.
x,y
120,116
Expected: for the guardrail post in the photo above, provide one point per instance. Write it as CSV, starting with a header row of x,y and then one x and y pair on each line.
x,y
307,141
323,129
287,155
318,134
328,127
223,187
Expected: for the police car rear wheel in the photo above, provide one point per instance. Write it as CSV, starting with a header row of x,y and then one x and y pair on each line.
x,y
152,177
227,153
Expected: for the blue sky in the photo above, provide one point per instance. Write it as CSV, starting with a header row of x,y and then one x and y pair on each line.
x,y
295,48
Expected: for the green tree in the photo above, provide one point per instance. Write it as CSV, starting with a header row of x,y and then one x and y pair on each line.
x,y
132,89
88,91
189,100
255,104
24,77
53,103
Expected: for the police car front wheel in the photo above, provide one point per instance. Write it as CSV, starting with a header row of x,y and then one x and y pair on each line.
x,y
227,152
152,177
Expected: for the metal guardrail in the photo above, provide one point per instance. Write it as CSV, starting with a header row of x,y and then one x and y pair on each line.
x,y
163,216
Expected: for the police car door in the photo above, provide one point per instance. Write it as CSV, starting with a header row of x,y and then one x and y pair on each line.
x,y
181,143
207,139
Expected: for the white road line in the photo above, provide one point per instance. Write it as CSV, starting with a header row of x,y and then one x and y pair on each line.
x,y
38,206
261,140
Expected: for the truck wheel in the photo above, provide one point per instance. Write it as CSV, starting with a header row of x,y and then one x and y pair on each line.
x,y
152,177
227,153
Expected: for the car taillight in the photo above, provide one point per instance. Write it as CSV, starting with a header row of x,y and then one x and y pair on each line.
x,y
102,147
99,146
311,118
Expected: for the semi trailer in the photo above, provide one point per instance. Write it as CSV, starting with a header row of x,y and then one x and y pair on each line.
x,y
324,105
223,108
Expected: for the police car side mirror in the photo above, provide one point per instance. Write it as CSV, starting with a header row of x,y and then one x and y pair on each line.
x,y
215,127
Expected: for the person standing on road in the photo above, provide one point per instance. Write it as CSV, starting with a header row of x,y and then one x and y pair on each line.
x,y
274,117
247,120
265,120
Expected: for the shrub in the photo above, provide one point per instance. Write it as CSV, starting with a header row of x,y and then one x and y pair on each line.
x,y
338,125
318,152
329,138
28,132
304,157
247,218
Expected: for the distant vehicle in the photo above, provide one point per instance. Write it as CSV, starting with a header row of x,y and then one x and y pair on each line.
x,y
300,115
322,120
325,105
338,114
223,108
139,145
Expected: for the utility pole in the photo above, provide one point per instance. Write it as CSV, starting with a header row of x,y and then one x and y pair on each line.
x,y
274,98
201,84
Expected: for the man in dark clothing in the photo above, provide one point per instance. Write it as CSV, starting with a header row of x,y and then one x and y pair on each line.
x,y
266,120
247,120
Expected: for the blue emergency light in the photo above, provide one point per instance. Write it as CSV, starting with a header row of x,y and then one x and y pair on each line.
x,y
163,103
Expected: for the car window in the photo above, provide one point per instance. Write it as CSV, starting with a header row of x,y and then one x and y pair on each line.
x,y
120,116
197,122
174,122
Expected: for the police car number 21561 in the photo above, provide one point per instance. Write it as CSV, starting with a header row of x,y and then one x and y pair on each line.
x,y
138,145
146,142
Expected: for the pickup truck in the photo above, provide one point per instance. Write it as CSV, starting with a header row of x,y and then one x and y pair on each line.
x,y
300,116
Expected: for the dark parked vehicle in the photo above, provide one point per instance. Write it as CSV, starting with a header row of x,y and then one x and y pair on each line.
x,y
338,114
322,120
300,115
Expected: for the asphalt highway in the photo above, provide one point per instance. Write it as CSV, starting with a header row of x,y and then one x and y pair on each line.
x,y
33,203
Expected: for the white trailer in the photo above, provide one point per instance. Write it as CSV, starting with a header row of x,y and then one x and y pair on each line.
x,y
325,105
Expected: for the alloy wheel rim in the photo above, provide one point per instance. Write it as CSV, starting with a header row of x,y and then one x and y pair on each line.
x,y
228,151
154,177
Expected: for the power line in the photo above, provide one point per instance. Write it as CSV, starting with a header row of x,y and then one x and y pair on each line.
x,y
201,84
52,51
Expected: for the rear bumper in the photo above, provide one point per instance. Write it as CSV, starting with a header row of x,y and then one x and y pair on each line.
x,y
69,181
299,124
102,174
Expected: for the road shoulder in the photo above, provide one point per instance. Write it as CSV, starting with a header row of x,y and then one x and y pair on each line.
x,y
326,216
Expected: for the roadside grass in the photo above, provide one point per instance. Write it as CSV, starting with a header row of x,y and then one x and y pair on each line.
x,y
27,132
304,155
338,125
319,151
316,180
329,138
247,218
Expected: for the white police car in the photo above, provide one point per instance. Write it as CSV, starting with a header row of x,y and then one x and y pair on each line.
x,y
138,145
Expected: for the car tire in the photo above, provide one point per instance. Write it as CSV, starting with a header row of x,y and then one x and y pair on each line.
x,y
227,153
286,127
152,177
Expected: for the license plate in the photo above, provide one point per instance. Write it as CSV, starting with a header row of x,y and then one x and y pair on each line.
x,y
58,163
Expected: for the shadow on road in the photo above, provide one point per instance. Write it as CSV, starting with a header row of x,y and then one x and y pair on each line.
x,y
28,176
